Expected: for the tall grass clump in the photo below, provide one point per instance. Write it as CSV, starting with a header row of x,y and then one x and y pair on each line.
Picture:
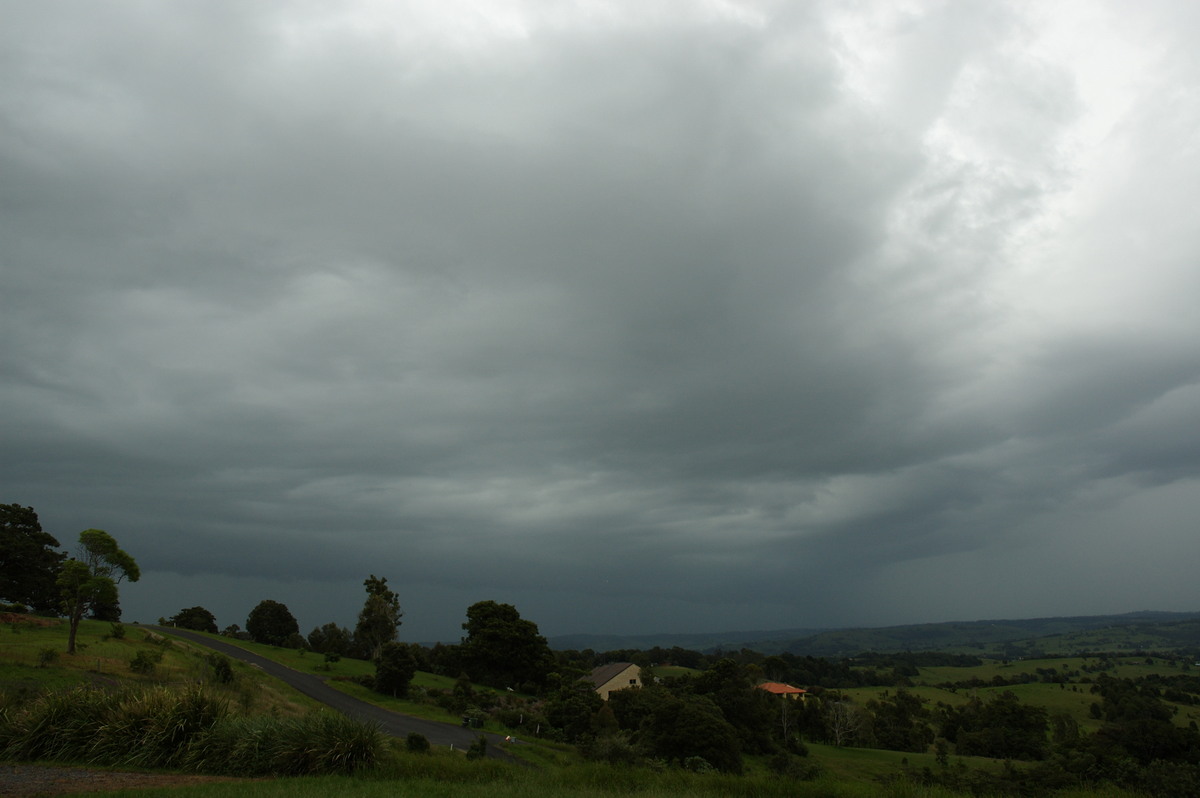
x,y
318,743
57,725
153,728
189,729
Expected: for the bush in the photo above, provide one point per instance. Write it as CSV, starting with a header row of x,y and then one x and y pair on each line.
x,y
615,749
145,661
416,743
318,743
478,749
188,729
222,668
117,631
394,669
47,657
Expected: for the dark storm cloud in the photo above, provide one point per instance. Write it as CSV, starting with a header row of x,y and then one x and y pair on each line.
x,y
713,314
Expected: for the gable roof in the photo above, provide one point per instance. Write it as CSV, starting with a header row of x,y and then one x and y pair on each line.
x,y
779,688
606,673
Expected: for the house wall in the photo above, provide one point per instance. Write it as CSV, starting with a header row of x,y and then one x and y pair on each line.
x,y
630,677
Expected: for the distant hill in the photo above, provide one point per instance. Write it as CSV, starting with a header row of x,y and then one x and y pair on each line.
x,y
701,641
1160,631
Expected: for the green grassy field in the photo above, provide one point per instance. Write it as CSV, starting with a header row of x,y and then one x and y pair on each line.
x,y
558,770
339,675
1073,697
101,659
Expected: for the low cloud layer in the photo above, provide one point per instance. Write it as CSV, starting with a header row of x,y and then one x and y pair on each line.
x,y
643,317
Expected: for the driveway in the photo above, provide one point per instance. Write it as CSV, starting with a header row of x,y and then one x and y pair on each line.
x,y
389,722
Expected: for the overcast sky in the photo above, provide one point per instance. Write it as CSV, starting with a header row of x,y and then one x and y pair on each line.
x,y
641,316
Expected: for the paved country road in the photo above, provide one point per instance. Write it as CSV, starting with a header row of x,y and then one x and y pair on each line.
x,y
392,723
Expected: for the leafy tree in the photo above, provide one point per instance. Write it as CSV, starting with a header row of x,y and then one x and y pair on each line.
x,y
395,668
196,618
502,649
572,710
683,728
272,623
235,631
632,708
92,577
380,616
900,722
28,561
751,711
106,611
1002,728
330,639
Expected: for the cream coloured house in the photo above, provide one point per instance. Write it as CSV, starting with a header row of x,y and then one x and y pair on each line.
x,y
615,676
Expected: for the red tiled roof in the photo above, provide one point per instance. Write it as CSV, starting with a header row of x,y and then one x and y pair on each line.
x,y
779,688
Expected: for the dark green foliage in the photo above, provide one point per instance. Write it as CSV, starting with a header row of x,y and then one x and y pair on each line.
x,y
615,749
416,743
29,561
633,708
105,610
117,631
478,749
195,618
186,729
235,631
395,668
222,668
682,728
753,713
900,722
572,709
47,657
1002,727
315,744
445,660
502,649
379,618
330,639
144,662
272,623
89,581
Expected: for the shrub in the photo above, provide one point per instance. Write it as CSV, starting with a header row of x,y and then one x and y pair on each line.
x,y
222,669
185,729
394,669
615,749
47,657
117,631
144,662
478,749
416,743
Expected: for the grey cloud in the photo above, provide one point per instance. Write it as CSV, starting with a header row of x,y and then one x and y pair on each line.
x,y
714,312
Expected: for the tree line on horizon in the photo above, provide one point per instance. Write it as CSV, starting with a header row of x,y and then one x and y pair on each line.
x,y
709,714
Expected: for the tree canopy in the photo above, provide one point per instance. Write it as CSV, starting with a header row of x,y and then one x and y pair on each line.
x,y
29,561
272,623
502,649
196,618
379,618
90,579
395,668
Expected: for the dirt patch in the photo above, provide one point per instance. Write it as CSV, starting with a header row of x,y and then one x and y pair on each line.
x,y
27,781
